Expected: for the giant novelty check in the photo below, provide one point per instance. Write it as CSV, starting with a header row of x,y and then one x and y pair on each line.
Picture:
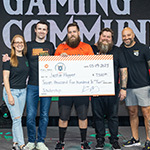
x,y
76,75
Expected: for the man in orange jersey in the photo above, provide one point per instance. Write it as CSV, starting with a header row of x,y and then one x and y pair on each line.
x,y
73,46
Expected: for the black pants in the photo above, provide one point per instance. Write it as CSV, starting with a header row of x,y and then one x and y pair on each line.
x,y
81,104
105,105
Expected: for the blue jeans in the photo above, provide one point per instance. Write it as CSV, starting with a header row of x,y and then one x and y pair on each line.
x,y
16,112
32,107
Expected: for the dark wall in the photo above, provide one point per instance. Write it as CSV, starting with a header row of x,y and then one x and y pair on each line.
x,y
19,17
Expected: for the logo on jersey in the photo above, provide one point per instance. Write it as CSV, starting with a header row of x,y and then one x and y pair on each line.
x,y
136,52
65,49
60,67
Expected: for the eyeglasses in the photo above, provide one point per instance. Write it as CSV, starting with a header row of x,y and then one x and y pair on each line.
x,y
18,43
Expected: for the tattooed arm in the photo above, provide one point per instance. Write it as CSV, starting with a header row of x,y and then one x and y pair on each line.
x,y
123,77
123,81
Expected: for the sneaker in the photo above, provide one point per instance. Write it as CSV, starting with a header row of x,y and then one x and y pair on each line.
x,y
147,145
100,144
116,146
60,145
24,148
41,146
85,145
15,147
132,142
30,145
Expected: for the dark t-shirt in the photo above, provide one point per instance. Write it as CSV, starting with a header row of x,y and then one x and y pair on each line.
x,y
137,57
34,49
18,75
119,61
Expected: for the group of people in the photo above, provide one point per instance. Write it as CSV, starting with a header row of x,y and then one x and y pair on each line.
x,y
131,64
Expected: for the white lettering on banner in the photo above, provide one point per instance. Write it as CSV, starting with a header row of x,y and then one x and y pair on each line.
x,y
62,3
107,23
28,30
54,27
71,7
10,11
39,4
81,8
55,31
93,32
116,10
114,6
6,31
140,34
103,4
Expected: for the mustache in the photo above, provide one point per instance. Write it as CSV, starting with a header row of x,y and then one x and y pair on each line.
x,y
105,40
127,39
72,36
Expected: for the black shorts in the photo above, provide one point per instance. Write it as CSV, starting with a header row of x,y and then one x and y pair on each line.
x,y
81,104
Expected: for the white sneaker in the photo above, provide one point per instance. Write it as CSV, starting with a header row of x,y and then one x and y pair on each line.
x,y
30,146
41,146
15,146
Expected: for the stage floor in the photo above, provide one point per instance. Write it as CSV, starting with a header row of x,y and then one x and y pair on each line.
x,y
72,138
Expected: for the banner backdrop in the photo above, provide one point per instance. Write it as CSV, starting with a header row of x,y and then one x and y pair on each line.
x,y
19,17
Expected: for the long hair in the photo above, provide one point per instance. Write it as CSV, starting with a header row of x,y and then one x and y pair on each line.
x,y
13,58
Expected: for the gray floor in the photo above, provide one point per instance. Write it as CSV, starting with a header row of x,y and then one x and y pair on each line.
x,y
72,138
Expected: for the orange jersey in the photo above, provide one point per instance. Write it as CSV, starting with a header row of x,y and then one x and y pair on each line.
x,y
81,49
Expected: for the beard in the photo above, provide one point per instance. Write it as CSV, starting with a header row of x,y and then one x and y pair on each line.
x,y
73,43
104,47
129,44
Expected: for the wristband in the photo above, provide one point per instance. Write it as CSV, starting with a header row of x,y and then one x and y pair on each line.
x,y
123,88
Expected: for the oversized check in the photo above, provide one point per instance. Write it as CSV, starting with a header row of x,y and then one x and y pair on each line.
x,y
76,75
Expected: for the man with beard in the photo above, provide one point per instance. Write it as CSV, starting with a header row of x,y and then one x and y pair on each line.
x,y
73,46
108,105
138,86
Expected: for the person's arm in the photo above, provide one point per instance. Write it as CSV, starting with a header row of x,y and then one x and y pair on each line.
x,y
147,55
123,78
59,51
6,74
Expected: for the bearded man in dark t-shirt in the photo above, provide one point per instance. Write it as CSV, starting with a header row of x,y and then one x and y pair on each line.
x,y
108,105
138,86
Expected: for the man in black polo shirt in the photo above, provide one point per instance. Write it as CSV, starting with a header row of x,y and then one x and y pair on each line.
x,y
138,86
108,105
